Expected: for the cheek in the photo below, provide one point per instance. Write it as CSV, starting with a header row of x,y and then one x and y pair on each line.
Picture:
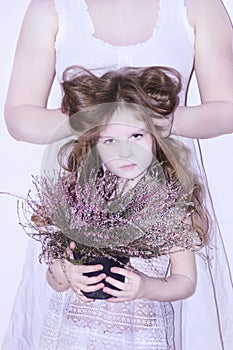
x,y
146,153
145,148
149,144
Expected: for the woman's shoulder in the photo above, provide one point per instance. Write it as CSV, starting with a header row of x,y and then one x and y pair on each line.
x,y
199,11
43,12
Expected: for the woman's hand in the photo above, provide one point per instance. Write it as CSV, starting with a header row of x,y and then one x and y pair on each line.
x,y
133,288
164,125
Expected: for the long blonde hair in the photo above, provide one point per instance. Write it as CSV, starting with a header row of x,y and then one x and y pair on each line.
x,y
150,93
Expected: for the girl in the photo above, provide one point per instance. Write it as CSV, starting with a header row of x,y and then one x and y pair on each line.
x,y
148,178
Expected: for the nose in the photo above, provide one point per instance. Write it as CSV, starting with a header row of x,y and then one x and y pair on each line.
x,y
125,149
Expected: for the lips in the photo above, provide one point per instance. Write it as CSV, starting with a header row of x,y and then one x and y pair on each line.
x,y
128,166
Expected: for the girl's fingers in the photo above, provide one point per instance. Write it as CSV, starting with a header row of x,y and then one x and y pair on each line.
x,y
77,271
118,295
69,250
118,284
124,272
113,292
131,289
89,284
80,281
87,268
85,299
124,287
88,281
90,288
117,300
94,279
81,296
72,245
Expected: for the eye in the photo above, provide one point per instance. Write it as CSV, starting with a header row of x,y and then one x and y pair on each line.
x,y
109,141
136,136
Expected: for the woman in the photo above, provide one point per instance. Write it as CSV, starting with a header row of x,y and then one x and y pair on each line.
x,y
165,36
110,34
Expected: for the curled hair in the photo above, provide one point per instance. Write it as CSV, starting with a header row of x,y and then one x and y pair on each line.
x,y
152,92
156,88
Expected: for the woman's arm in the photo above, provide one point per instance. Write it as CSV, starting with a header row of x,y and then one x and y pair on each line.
x,y
214,72
179,285
32,76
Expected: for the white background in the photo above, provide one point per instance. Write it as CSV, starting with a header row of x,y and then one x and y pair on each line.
x,y
20,160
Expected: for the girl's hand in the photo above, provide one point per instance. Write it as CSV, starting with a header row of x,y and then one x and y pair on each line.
x,y
62,275
133,288
79,282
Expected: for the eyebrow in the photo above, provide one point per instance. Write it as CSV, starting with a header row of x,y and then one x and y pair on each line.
x,y
112,137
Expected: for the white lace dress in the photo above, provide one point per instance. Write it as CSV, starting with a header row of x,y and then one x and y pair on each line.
x,y
71,324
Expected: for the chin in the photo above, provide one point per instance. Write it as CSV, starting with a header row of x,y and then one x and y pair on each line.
x,y
133,175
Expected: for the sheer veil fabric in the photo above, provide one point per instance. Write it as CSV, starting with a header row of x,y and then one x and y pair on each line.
x,y
206,319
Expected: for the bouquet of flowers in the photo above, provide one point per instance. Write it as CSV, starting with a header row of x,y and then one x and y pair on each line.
x,y
147,221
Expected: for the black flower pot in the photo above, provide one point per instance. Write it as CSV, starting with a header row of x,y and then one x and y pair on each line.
x,y
107,263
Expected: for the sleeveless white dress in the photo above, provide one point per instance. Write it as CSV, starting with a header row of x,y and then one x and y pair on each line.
x,y
43,319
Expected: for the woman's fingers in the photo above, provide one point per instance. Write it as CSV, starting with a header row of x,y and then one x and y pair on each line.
x,y
164,124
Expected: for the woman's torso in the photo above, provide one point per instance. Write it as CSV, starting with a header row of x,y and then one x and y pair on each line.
x,y
169,39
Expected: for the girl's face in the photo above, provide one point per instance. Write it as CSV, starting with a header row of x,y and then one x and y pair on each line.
x,y
125,146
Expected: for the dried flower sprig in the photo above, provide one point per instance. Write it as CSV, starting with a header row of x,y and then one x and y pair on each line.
x,y
147,221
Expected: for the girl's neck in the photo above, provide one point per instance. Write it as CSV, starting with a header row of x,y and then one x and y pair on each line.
x,y
127,184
